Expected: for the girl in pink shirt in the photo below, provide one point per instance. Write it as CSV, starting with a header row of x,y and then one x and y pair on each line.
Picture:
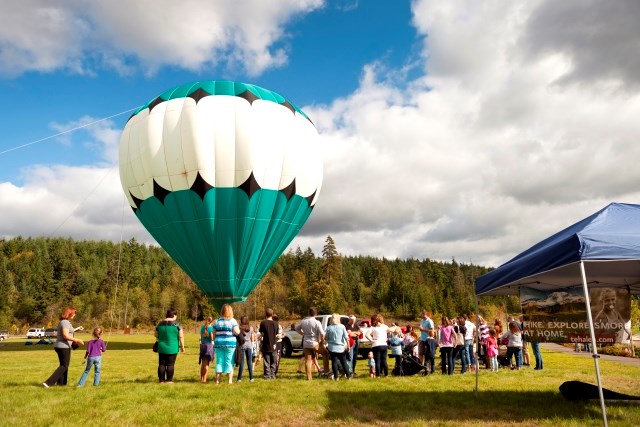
x,y
445,342
492,350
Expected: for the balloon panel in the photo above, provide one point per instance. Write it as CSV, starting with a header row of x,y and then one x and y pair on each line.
x,y
227,242
223,175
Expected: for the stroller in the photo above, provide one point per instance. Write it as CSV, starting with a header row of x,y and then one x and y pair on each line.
x,y
410,365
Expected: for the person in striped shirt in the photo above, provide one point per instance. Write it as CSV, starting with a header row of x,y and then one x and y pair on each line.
x,y
225,331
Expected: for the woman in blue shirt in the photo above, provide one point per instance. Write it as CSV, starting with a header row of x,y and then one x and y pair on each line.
x,y
337,344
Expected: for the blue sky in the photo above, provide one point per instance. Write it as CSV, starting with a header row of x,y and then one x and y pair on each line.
x,y
316,73
450,129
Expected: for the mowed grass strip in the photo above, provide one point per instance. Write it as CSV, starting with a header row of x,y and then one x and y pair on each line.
x,y
129,394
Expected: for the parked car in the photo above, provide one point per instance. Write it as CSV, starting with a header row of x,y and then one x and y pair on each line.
x,y
4,335
293,340
35,333
50,333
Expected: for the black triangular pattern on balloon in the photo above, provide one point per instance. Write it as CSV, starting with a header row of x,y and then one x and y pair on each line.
x,y
197,95
289,190
310,198
131,117
289,106
248,95
310,121
160,192
250,186
293,110
155,102
136,201
200,186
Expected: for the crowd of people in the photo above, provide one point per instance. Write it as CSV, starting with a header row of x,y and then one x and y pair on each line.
x,y
227,344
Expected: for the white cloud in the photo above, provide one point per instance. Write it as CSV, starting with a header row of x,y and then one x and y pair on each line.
x,y
104,138
82,202
78,36
486,154
508,137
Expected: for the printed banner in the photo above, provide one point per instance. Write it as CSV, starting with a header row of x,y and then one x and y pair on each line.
x,y
561,316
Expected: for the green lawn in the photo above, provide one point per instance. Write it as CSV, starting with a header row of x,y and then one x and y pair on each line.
x,y
129,394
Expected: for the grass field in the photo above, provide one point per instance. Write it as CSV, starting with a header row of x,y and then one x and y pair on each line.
x,y
129,394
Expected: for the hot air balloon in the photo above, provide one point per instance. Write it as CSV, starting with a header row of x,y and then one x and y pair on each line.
x,y
223,175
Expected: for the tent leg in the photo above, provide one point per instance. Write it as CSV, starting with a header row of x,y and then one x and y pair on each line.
x,y
477,344
594,348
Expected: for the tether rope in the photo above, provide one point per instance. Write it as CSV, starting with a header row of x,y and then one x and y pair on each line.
x,y
115,295
65,132
83,200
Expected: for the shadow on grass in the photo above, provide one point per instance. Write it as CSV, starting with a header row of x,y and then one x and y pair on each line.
x,y
489,406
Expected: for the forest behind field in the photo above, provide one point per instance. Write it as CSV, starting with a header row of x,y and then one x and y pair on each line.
x,y
131,284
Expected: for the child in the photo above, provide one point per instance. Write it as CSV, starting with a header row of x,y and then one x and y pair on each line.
x,y
372,365
430,352
396,348
207,354
492,350
93,356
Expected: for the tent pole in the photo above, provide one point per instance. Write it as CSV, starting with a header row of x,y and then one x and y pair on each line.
x,y
477,345
594,347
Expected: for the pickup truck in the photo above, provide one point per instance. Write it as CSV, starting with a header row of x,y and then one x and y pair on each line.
x,y
292,340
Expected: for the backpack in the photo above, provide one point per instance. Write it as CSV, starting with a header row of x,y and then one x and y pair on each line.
x,y
240,338
459,337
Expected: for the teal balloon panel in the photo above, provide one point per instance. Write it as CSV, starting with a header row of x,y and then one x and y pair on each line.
x,y
227,241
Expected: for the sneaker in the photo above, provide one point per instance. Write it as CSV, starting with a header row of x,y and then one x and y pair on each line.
x,y
251,380
45,385
239,381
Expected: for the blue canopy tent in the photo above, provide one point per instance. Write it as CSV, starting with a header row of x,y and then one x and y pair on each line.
x,y
602,250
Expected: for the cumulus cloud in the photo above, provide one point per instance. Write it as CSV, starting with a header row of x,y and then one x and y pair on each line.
x,y
492,149
599,39
103,139
517,128
82,37
82,202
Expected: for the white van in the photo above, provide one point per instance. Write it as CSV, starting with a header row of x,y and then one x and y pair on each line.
x,y
35,333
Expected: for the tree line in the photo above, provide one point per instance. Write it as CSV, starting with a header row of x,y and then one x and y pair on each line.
x,y
130,284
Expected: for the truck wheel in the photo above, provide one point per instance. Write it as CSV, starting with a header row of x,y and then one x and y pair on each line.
x,y
287,348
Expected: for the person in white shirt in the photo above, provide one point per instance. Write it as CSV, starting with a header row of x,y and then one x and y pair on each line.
x,y
378,334
469,338
312,341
